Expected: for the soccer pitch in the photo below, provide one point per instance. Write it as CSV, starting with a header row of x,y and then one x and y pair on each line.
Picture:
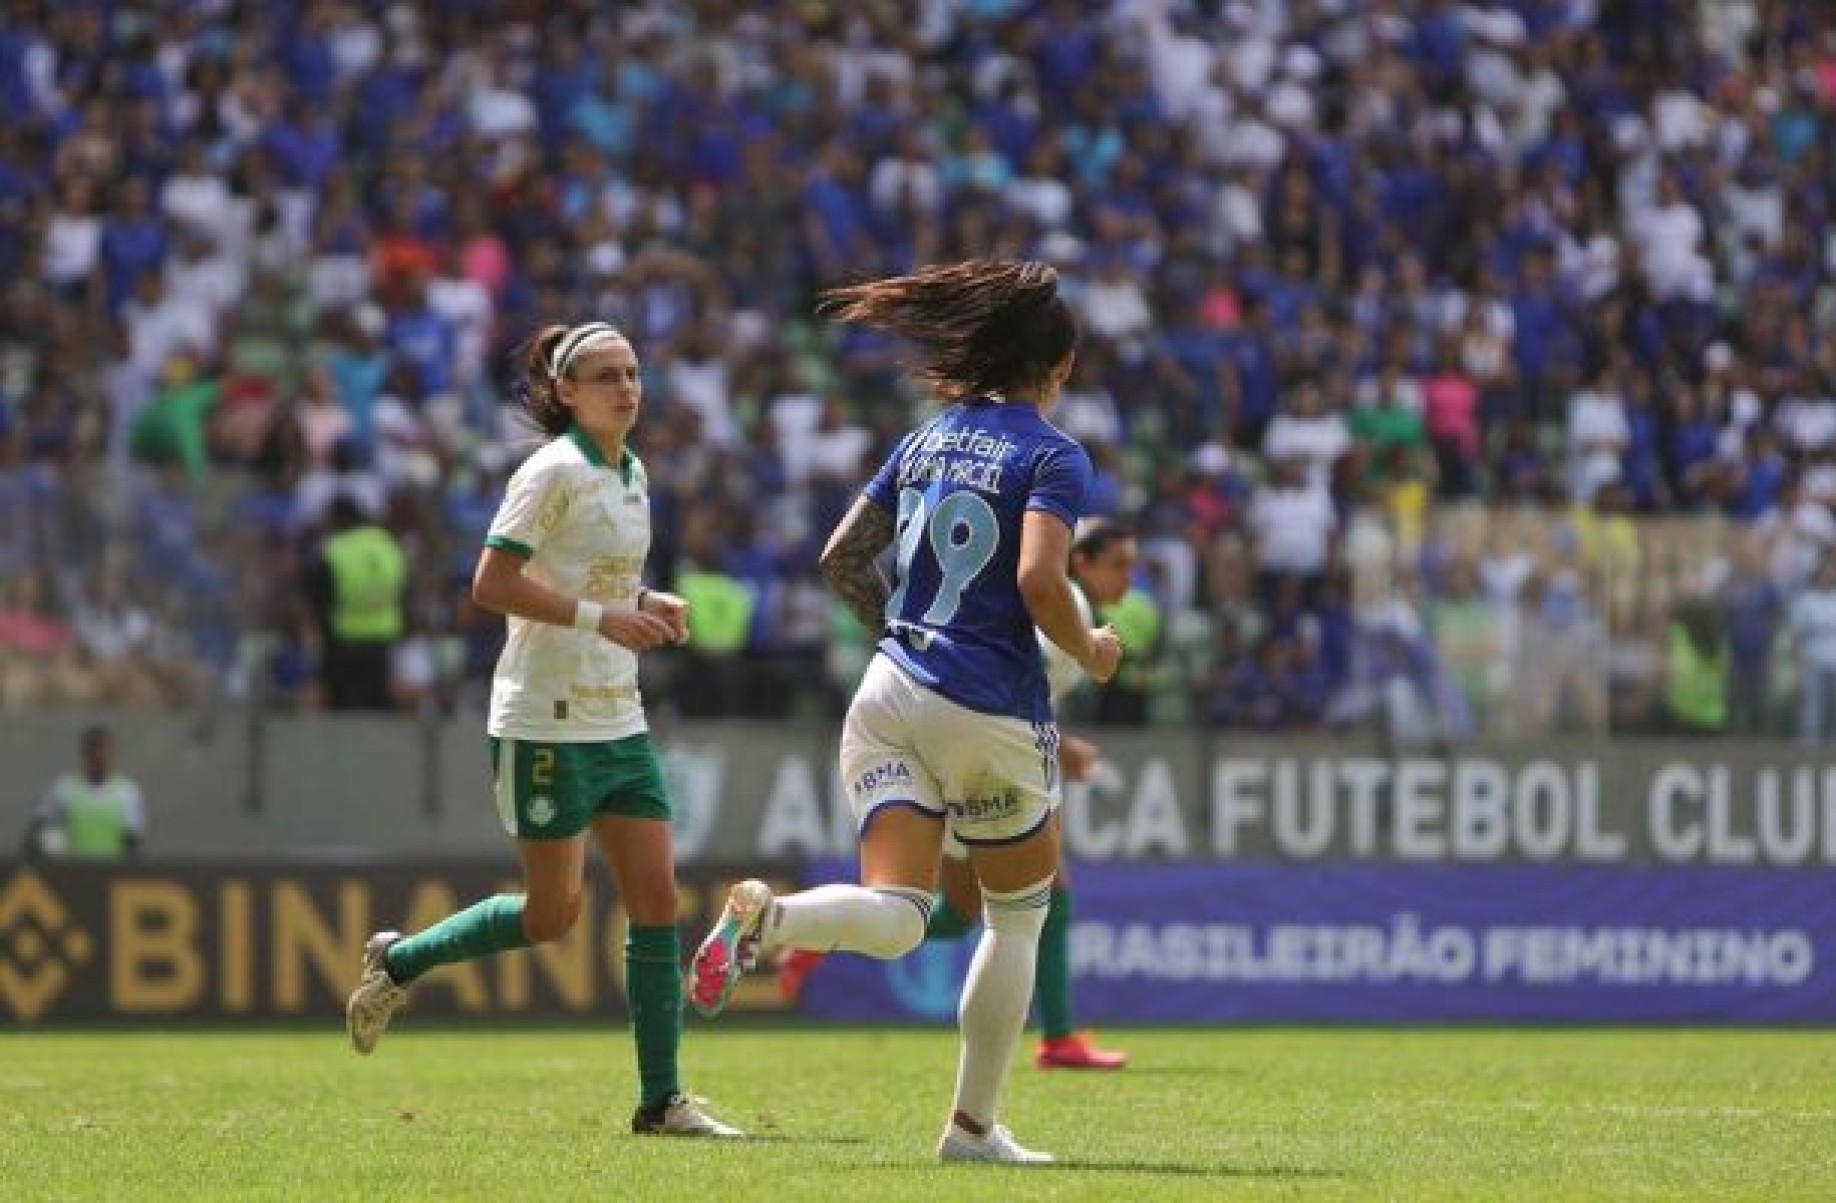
x,y
853,1114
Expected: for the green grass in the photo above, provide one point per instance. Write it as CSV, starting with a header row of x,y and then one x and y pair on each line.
x,y
541,1115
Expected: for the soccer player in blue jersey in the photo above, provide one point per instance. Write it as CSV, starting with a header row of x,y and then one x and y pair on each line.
x,y
952,723
1103,556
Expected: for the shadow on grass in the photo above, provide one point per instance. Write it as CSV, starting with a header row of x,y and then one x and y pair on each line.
x,y
1186,1169
1185,1071
1135,1165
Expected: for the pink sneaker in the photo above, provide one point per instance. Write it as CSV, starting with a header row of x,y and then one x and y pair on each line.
x,y
729,948
1076,1052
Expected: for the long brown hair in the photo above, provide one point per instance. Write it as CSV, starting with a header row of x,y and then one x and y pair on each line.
x,y
986,326
538,396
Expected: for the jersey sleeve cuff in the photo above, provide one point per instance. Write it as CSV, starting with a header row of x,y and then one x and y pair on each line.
x,y
503,543
1059,512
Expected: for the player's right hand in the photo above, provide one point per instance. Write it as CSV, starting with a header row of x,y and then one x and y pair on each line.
x,y
1077,758
1105,654
634,630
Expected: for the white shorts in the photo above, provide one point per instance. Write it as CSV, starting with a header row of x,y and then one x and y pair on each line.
x,y
994,780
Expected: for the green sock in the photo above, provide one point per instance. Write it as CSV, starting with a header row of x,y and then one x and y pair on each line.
x,y
1052,982
653,991
494,925
947,923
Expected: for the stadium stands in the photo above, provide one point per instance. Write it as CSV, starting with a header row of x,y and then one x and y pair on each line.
x,y
1466,367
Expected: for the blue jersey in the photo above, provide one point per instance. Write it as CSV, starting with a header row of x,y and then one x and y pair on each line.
x,y
960,486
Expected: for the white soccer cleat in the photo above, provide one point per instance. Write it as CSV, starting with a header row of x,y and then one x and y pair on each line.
x,y
377,998
729,949
959,1144
680,1115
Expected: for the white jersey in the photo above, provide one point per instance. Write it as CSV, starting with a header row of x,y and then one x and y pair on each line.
x,y
584,526
1062,672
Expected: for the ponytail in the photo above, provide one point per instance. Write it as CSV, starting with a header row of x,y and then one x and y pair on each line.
x,y
986,326
537,395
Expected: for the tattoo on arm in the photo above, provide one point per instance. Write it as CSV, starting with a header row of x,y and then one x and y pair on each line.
x,y
848,564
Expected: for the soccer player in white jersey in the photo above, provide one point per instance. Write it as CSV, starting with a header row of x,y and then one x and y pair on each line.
x,y
952,723
570,749
1103,559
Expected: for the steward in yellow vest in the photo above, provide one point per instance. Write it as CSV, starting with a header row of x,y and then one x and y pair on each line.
x,y
357,589
92,814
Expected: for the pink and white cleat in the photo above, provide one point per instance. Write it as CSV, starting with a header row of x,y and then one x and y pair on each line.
x,y
730,948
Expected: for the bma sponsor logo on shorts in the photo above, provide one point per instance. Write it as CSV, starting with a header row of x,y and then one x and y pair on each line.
x,y
883,777
985,810
541,810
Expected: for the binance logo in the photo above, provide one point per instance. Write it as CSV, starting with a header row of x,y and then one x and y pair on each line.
x,y
40,946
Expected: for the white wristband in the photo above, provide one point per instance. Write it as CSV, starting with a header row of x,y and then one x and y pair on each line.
x,y
587,615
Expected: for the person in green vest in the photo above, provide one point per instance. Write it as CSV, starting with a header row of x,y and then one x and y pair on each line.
x,y
357,588
94,813
1123,700
713,678
1696,671
722,608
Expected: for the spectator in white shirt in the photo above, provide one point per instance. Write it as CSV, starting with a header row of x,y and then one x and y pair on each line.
x,y
906,179
73,239
1042,193
161,324
196,195
1294,527
1598,434
1806,422
467,304
1305,431
1813,629
1799,534
493,109
1113,305
837,445
1087,409
1669,237
200,273
697,376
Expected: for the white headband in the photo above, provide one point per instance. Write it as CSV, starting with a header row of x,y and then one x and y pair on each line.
x,y
576,342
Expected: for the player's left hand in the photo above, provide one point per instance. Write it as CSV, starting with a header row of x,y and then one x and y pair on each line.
x,y
1077,758
671,609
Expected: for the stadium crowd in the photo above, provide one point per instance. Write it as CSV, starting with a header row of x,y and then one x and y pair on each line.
x,y
1464,367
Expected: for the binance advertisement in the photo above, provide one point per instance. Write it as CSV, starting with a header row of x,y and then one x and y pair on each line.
x,y
183,942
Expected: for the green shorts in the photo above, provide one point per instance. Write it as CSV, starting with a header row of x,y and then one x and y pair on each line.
x,y
551,791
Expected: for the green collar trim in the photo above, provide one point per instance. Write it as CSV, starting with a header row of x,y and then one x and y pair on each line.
x,y
596,457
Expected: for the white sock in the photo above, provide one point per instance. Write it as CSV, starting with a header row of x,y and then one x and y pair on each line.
x,y
885,921
996,995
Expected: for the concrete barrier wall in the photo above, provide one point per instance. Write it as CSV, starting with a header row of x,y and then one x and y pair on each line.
x,y
352,788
